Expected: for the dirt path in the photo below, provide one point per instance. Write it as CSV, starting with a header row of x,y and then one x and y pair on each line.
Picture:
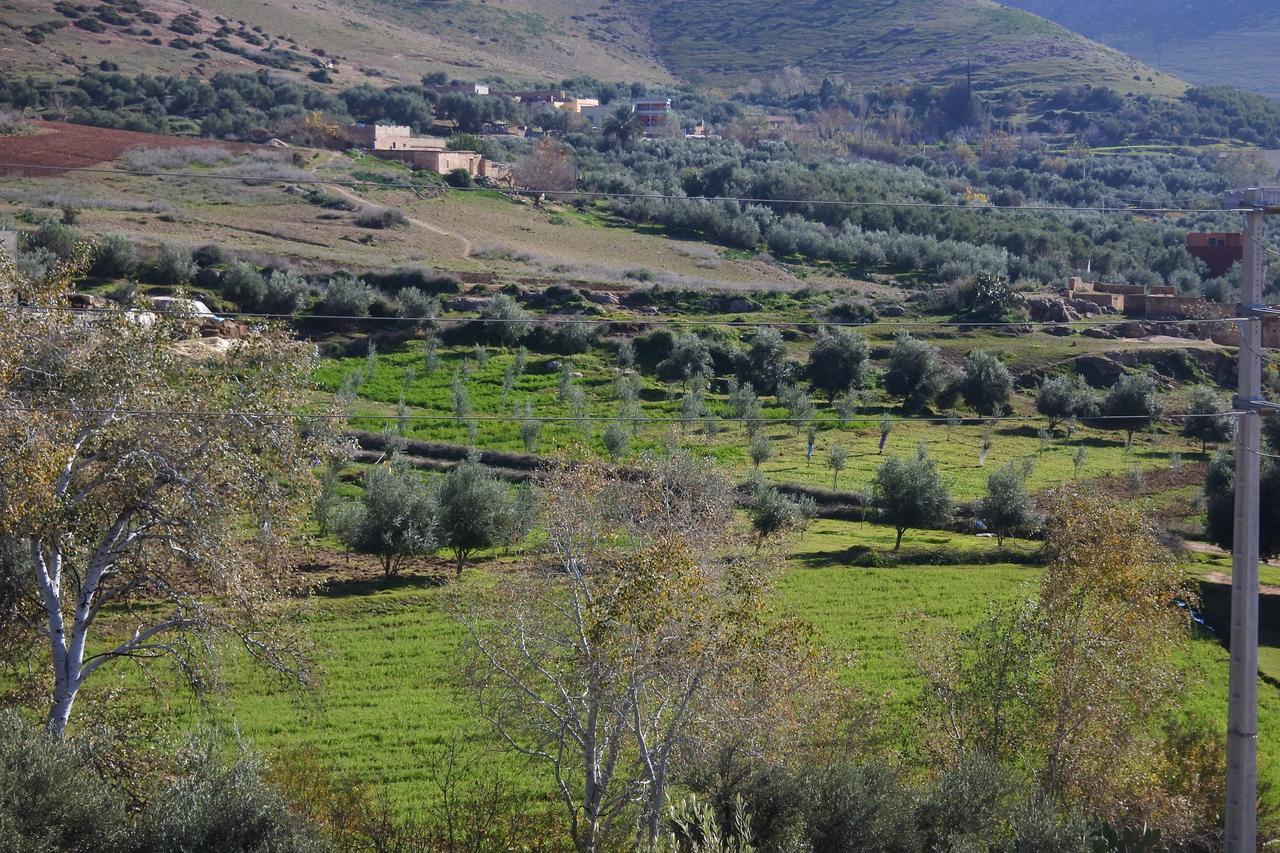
x,y
467,246
1225,579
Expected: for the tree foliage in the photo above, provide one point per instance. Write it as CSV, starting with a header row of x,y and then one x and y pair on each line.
x,y
838,363
1220,503
1007,508
476,511
1132,404
1061,398
643,641
1211,424
1070,685
396,518
986,383
765,364
915,373
909,493
109,506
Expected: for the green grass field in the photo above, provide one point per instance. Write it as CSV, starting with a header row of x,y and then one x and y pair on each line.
x,y
389,695
957,449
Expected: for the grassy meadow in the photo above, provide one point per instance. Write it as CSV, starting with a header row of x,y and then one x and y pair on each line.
x,y
957,448
389,701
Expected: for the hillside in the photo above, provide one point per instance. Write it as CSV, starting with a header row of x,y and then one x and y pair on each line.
x,y
1207,41
883,41
739,44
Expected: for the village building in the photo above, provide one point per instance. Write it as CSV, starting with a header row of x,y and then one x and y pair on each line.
x,y
653,112
576,105
1164,303
429,153
1219,250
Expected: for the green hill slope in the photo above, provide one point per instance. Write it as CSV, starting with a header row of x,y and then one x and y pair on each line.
x,y
743,42
722,43
1204,41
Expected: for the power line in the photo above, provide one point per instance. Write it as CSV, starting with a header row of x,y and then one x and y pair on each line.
x,y
654,321
575,193
288,415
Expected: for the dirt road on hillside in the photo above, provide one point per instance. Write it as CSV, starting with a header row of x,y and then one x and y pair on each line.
x,y
356,198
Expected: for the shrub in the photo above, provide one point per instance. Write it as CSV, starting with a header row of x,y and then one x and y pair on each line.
x,y
459,179
689,357
228,808
157,159
53,799
284,293
172,264
505,321
116,257
652,348
244,285
418,305
426,280
988,298
56,237
345,297
380,217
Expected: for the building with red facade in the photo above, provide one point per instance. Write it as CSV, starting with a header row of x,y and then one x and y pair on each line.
x,y
1219,250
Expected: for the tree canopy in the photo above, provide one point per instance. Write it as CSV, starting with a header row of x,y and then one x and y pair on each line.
x,y
909,493
106,505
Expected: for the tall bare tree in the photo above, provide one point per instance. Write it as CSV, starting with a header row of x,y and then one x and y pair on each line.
x,y
549,167
168,519
643,640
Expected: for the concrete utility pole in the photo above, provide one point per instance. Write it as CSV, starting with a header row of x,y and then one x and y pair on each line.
x,y
1242,721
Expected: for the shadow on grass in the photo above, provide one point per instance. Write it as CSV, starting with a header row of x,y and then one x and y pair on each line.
x,y
867,557
344,587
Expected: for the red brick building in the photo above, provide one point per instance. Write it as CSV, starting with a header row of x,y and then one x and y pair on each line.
x,y
1219,251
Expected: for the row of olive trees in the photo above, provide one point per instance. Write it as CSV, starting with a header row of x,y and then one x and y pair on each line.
x,y
400,516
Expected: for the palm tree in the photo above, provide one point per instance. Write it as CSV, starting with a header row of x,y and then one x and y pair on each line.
x,y
623,126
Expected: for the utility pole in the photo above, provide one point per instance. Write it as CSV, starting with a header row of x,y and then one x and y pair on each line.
x,y
1242,719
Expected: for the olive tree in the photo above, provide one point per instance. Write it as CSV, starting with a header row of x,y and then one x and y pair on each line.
x,y
773,513
689,357
394,520
110,505
1210,423
1220,498
838,363
504,321
475,509
909,493
1131,404
1007,508
765,364
915,373
1061,398
985,383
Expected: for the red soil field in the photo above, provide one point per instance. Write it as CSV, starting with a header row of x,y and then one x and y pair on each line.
x,y
56,146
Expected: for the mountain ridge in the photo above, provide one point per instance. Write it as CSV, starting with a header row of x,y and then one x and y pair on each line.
x,y
1228,42
726,46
